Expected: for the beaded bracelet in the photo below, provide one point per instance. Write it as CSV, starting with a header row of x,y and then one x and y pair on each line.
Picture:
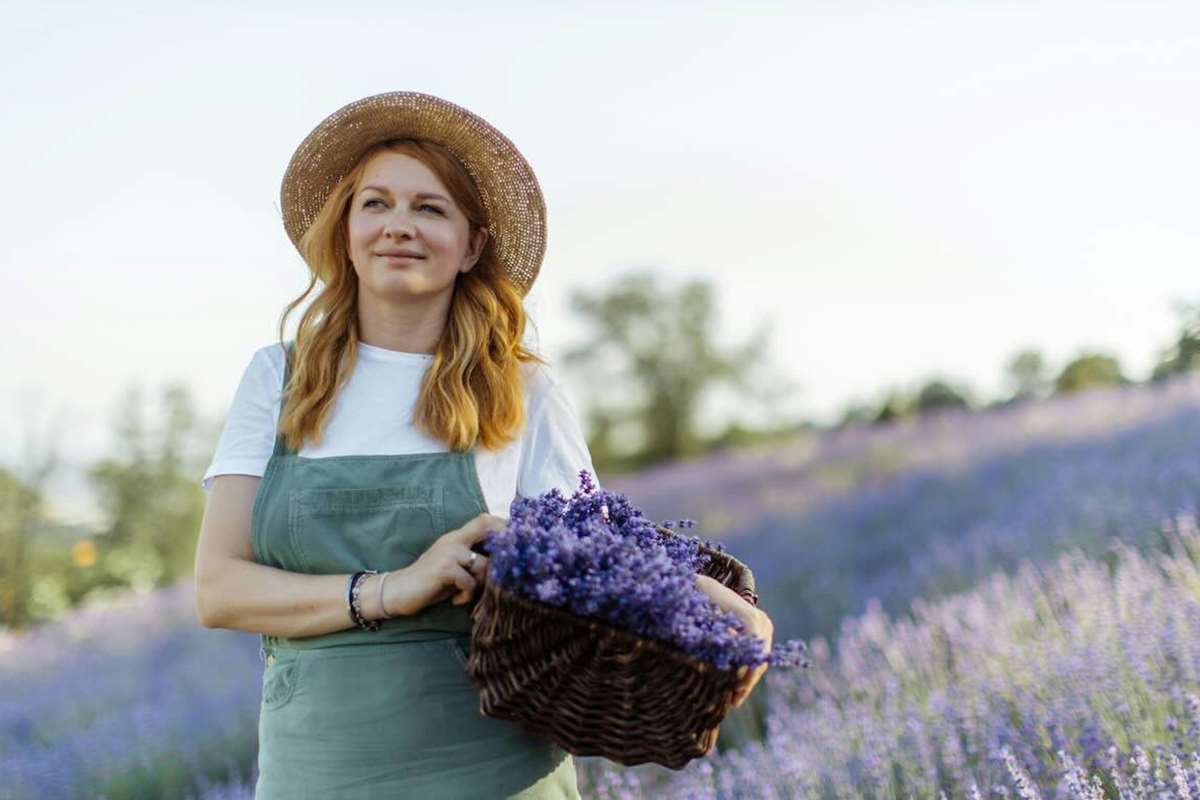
x,y
353,590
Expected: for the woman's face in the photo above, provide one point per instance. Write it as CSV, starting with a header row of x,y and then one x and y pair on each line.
x,y
407,238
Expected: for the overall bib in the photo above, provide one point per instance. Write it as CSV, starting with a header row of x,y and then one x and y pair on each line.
x,y
390,713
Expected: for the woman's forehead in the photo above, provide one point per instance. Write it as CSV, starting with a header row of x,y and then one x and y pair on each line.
x,y
399,171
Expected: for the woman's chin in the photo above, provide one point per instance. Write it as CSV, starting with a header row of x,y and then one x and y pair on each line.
x,y
407,288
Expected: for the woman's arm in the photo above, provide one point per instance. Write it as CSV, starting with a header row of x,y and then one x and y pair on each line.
x,y
755,620
234,591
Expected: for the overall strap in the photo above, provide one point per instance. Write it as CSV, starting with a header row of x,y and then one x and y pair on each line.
x,y
281,447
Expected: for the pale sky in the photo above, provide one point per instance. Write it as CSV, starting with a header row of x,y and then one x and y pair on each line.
x,y
907,189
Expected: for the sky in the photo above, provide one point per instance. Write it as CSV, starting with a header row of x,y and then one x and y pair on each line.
x,y
905,190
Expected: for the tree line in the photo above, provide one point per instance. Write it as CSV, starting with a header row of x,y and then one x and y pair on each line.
x,y
651,355
148,490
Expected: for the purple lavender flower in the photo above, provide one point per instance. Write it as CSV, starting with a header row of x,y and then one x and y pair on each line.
x,y
595,554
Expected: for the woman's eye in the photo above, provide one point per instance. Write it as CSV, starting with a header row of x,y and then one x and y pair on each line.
x,y
435,208
368,203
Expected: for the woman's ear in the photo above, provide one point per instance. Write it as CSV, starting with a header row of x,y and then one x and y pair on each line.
x,y
478,242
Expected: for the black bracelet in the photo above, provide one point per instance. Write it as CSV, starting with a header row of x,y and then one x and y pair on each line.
x,y
352,601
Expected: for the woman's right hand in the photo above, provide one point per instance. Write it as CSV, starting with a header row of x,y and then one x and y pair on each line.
x,y
442,571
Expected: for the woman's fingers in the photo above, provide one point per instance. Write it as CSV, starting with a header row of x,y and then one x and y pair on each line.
x,y
481,570
465,583
713,744
747,684
474,563
477,529
474,568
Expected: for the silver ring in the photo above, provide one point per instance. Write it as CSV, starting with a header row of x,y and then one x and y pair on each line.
x,y
471,560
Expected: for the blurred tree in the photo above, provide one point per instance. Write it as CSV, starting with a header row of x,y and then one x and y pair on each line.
x,y
22,513
652,357
894,406
737,434
856,414
1184,354
1089,370
938,395
600,425
1025,372
150,493
20,505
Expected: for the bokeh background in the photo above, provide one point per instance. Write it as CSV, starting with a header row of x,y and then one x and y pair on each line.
x,y
898,301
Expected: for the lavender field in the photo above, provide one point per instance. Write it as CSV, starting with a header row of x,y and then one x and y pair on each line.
x,y
997,605
927,507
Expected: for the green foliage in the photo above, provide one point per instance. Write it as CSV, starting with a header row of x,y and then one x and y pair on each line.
x,y
857,414
894,407
938,395
1184,353
653,356
153,504
738,435
150,495
1090,370
1025,372
20,505
22,514
934,395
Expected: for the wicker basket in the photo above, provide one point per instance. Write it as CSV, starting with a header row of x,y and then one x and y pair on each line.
x,y
595,689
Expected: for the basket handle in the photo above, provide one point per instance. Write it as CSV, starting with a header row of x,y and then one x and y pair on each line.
x,y
742,582
739,578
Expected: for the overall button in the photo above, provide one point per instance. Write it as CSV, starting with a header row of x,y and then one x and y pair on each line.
x,y
270,659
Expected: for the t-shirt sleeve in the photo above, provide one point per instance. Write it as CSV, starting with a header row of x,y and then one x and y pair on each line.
x,y
554,450
248,437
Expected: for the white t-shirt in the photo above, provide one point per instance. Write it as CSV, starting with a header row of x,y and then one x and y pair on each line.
x,y
372,415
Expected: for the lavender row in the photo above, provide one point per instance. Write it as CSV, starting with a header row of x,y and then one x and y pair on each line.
x,y
1058,676
1080,679
931,507
132,700
729,492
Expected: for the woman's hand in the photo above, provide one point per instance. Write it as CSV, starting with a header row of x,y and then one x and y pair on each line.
x,y
755,621
442,571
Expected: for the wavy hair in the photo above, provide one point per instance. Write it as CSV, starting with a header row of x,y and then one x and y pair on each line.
x,y
473,390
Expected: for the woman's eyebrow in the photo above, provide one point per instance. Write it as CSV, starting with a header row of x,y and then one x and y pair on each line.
x,y
418,195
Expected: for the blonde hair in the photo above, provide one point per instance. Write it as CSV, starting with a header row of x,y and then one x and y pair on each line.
x,y
473,390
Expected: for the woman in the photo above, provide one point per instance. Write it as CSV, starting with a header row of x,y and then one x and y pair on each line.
x,y
404,415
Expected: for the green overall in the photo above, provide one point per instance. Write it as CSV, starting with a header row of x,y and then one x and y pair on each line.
x,y
389,713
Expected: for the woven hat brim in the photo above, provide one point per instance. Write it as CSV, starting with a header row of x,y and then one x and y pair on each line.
x,y
512,198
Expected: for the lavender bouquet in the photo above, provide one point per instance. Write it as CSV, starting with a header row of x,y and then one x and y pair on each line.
x,y
596,555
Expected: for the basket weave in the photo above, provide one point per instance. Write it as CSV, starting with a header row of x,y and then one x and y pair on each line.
x,y
595,689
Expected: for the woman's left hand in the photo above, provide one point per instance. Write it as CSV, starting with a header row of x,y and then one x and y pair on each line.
x,y
756,622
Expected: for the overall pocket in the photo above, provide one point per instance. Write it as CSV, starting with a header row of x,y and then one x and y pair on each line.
x,y
344,530
281,673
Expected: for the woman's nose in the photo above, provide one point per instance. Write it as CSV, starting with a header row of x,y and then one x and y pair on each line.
x,y
398,225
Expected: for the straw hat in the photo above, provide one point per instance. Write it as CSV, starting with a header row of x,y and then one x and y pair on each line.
x,y
516,211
